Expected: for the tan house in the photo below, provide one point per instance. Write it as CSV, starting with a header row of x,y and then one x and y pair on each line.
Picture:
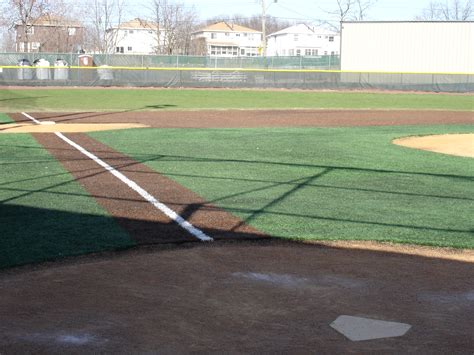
x,y
225,39
51,34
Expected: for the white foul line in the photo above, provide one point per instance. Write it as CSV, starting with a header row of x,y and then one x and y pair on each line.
x,y
135,187
31,118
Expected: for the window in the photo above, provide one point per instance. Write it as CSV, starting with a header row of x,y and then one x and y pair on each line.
x,y
227,34
71,31
242,51
325,52
213,35
314,52
237,35
118,49
295,38
130,31
298,52
307,52
30,30
291,52
129,49
331,39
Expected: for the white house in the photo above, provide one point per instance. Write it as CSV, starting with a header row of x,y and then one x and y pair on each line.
x,y
135,37
229,40
303,40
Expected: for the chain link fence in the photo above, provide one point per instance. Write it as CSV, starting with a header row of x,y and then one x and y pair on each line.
x,y
19,69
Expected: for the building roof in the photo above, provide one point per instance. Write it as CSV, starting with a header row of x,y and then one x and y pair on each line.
x,y
53,21
137,24
227,27
303,29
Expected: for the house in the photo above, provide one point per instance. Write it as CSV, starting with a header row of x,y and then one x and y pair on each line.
x,y
225,39
303,40
53,34
135,37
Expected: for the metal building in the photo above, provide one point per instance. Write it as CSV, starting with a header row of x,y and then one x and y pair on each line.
x,y
408,47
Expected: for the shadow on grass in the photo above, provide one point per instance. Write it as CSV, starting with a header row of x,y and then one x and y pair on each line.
x,y
31,235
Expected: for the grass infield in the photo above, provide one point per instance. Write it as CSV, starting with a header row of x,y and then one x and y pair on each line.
x,y
15,100
44,213
319,183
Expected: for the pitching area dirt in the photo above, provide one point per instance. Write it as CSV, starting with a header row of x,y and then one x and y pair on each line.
x,y
453,144
65,127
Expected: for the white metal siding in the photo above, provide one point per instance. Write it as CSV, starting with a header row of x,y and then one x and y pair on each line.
x,y
425,47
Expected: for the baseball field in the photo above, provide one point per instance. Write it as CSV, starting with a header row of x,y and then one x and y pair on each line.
x,y
234,220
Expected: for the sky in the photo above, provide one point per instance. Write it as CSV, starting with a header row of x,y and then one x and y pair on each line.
x,y
306,10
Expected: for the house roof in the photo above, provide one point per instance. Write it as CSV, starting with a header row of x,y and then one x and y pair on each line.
x,y
303,29
137,24
227,27
53,21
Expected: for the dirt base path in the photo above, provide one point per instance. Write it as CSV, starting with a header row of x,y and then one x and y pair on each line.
x,y
142,221
264,118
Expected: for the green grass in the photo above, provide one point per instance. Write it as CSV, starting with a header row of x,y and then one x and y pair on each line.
x,y
319,183
44,213
4,118
184,99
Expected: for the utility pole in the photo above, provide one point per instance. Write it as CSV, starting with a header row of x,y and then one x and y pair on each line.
x,y
264,29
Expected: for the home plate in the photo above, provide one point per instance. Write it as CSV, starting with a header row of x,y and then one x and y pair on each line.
x,y
47,122
357,328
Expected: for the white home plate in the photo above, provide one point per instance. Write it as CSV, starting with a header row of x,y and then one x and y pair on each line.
x,y
357,328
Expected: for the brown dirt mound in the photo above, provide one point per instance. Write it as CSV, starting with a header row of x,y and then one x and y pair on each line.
x,y
453,144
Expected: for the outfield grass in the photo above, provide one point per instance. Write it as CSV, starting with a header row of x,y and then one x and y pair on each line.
x,y
44,213
182,99
319,183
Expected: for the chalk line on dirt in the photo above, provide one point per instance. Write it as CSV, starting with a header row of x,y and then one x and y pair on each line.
x,y
196,232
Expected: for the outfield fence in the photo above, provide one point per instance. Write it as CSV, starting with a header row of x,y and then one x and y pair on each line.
x,y
202,72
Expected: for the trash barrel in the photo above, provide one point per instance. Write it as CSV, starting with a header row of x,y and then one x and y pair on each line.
x,y
84,74
105,73
61,70
25,72
42,69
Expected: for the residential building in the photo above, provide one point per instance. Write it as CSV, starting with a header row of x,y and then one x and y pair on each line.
x,y
303,40
225,39
53,34
135,37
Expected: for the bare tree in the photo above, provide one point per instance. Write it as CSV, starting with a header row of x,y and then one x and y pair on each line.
x,y
350,10
175,24
103,16
23,14
451,10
